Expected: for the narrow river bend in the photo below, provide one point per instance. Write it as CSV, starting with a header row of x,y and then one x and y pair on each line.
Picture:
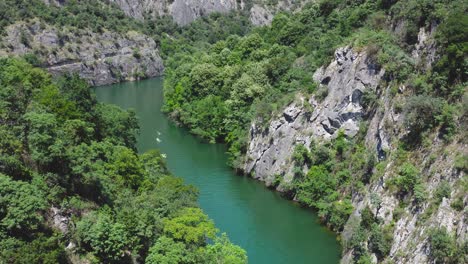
x,y
271,229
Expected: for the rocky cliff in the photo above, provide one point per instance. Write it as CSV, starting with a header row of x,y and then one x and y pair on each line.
x,y
182,11
308,118
185,11
312,119
100,58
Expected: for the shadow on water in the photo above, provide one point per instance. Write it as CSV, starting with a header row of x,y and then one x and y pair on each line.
x,y
271,229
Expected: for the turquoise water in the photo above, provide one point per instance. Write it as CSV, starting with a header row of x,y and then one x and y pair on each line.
x,y
271,229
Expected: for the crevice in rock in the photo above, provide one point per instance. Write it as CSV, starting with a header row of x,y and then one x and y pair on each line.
x,y
381,154
326,80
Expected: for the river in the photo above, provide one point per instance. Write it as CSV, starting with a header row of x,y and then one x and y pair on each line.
x,y
271,229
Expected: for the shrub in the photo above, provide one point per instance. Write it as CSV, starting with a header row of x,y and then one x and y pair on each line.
x,y
419,194
301,155
458,204
419,113
136,53
321,93
381,240
443,246
367,217
443,190
407,178
461,163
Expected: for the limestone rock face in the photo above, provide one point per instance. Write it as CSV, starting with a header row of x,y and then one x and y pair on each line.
x,y
307,119
101,59
182,11
260,15
185,11
347,78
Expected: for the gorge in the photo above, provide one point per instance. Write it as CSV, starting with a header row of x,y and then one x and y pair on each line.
x,y
351,116
270,228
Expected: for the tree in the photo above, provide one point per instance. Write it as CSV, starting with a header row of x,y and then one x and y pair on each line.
x,y
125,167
224,252
168,251
117,125
318,184
419,113
42,135
21,205
191,226
107,239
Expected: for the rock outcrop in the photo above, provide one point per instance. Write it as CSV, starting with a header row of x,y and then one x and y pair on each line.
x,y
306,119
101,59
262,12
185,11
182,11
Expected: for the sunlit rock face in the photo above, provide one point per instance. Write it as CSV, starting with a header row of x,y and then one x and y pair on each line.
x,y
309,119
104,58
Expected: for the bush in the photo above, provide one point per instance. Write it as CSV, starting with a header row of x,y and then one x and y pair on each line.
x,y
443,246
301,155
367,217
381,240
419,113
136,53
461,163
407,178
458,204
443,190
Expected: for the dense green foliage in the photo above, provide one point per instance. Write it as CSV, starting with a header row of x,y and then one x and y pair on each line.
x,y
336,170
242,78
445,249
218,89
84,14
59,148
63,154
102,15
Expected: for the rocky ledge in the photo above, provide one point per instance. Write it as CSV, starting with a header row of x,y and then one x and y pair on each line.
x,y
101,59
308,118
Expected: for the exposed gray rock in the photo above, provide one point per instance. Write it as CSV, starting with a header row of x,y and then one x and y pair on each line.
x,y
185,11
182,11
101,59
59,220
347,78
424,52
306,119
260,15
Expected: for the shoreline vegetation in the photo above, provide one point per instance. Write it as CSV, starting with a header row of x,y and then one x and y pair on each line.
x,y
65,153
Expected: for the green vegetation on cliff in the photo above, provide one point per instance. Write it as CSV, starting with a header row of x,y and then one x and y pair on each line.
x,y
64,156
73,186
218,90
242,78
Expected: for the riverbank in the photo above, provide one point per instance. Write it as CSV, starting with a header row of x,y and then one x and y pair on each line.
x,y
270,228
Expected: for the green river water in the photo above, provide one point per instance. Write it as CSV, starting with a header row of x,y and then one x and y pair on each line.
x,y
271,229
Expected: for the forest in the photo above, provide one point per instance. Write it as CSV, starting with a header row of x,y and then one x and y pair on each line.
x,y
69,164
217,90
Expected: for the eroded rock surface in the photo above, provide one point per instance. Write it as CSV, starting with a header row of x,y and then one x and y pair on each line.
x,y
185,11
307,119
347,78
101,59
